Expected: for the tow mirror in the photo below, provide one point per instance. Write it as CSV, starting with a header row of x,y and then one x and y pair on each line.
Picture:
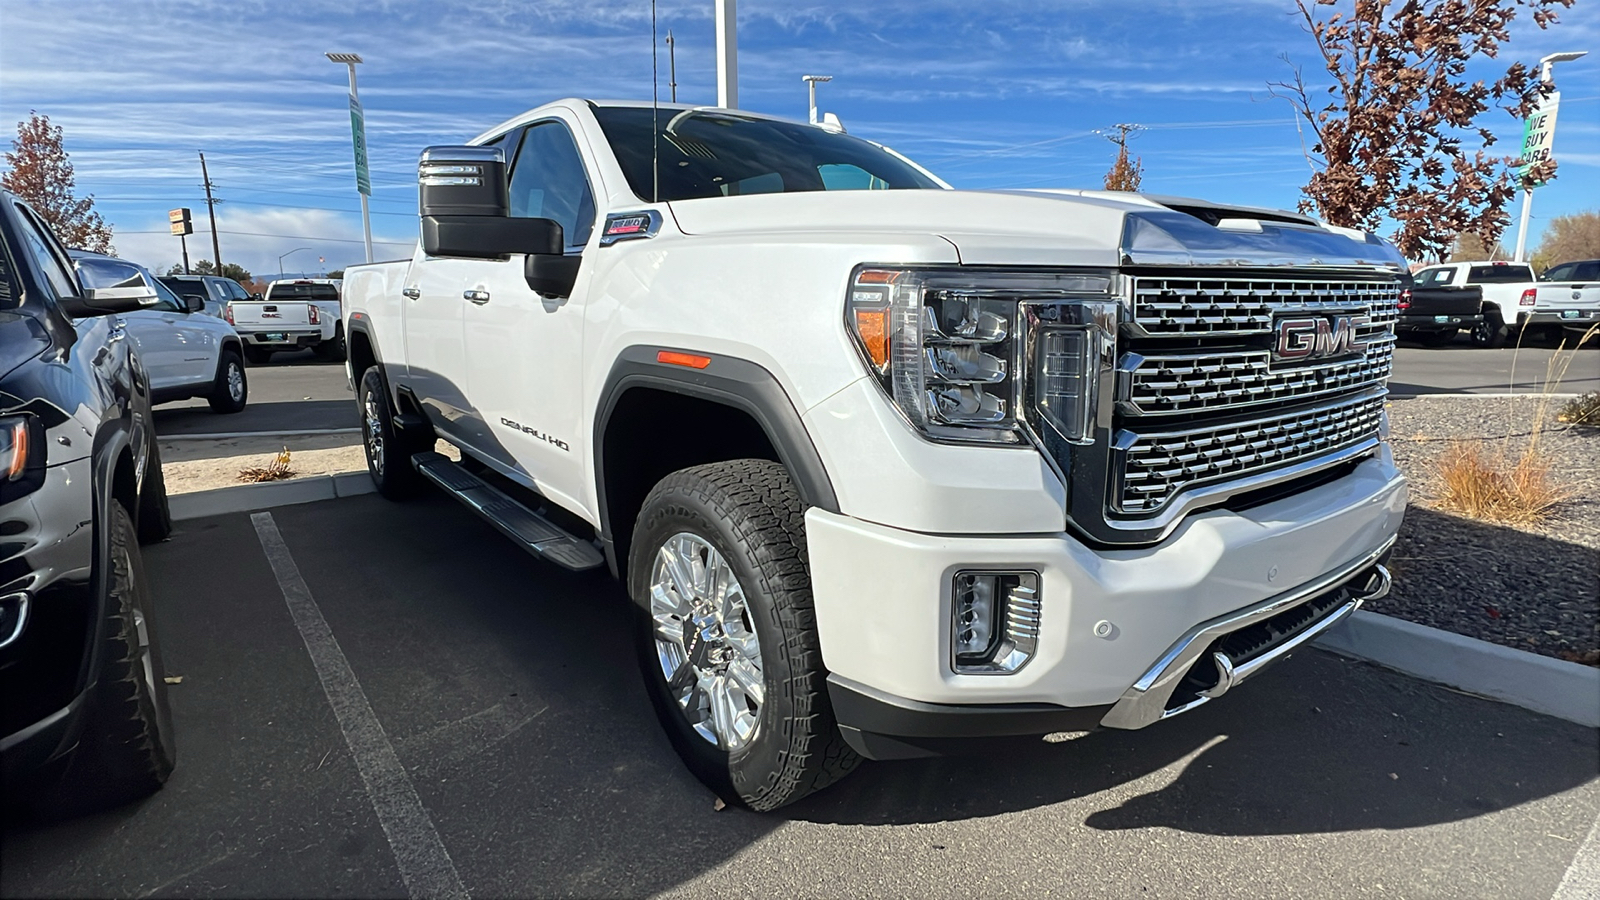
x,y
110,286
465,206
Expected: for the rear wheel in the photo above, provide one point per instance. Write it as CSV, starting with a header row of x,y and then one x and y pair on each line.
x,y
388,457
127,749
727,638
256,355
332,350
231,389
1491,332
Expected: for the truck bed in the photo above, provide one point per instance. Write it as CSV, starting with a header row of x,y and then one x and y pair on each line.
x,y
1435,309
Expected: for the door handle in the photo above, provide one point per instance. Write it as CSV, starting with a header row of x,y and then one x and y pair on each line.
x,y
412,292
478,297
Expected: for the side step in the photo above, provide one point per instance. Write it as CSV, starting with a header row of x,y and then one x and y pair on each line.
x,y
534,532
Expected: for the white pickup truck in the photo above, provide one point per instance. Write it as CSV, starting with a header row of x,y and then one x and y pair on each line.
x,y
1514,300
291,316
886,466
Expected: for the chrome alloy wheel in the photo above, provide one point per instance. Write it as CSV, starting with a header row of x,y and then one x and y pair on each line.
x,y
706,641
235,381
372,424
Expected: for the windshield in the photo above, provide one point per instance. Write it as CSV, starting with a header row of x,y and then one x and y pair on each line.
x,y
302,292
713,153
1501,274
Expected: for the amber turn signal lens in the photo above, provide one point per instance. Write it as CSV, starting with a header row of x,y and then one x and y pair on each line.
x,y
674,358
872,325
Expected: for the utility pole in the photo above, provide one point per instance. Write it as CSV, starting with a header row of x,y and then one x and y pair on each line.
x,y
672,65
211,207
811,84
727,54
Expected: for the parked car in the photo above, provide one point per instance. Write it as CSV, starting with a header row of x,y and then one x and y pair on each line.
x,y
1433,316
322,293
1513,299
85,721
186,351
1567,296
886,465
217,291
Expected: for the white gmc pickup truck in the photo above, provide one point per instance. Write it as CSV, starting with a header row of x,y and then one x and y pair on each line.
x,y
886,466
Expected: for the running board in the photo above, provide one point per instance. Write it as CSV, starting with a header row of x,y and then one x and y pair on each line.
x,y
534,532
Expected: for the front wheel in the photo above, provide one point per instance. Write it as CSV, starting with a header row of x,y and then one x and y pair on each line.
x,y
387,460
1490,332
127,749
727,637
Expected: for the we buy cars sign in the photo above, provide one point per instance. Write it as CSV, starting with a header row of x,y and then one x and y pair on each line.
x,y
1538,135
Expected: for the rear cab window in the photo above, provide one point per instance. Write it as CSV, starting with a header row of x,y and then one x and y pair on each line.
x,y
1508,273
300,291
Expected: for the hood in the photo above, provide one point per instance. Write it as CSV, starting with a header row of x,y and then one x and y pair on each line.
x,y
21,338
1051,227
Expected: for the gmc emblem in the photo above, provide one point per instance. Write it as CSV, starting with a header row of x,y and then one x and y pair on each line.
x,y
1318,337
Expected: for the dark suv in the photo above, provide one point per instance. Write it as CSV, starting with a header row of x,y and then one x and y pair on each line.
x,y
83,708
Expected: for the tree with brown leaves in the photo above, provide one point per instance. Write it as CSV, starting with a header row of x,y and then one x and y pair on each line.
x,y
39,172
1126,173
1390,140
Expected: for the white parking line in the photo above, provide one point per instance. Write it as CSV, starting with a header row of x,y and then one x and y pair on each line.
x,y
424,863
1582,881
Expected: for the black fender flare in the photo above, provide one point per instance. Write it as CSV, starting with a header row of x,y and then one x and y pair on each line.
x,y
727,380
109,442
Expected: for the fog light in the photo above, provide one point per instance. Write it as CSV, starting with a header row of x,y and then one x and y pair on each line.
x,y
995,621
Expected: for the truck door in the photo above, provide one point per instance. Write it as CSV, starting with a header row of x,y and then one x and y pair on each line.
x,y
524,365
436,361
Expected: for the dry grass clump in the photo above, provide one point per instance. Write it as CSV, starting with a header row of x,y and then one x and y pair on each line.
x,y
1584,410
1491,487
277,470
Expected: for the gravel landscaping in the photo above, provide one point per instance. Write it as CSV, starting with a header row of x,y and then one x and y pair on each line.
x,y
1533,587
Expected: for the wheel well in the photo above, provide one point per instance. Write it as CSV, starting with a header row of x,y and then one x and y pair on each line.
x,y
124,484
652,433
358,347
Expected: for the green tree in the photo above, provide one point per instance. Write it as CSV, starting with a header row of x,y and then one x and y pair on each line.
x,y
207,267
39,172
336,273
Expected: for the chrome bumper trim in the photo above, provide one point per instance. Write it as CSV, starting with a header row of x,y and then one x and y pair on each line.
x,y
1145,701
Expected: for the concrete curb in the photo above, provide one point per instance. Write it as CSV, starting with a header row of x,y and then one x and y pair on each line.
x,y
1550,686
247,497
1452,394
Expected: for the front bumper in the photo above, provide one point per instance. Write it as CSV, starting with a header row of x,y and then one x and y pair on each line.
x,y
1115,624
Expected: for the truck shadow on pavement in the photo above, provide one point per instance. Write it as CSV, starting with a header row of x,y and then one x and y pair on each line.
x,y
1317,744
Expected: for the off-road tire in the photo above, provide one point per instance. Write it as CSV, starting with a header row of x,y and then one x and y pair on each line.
x,y
221,397
155,514
1492,332
750,511
126,750
389,457
333,349
256,356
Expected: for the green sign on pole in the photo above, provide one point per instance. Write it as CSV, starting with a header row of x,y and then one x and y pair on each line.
x,y
1538,135
358,137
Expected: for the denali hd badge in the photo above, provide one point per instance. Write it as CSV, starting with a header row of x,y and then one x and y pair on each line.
x,y
1307,338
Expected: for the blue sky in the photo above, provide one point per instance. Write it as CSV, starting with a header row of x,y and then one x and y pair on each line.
x,y
987,94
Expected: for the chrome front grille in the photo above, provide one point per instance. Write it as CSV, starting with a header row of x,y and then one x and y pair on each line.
x,y
1230,306
1158,383
1152,466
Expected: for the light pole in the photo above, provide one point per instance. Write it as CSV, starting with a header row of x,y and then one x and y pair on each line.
x,y
811,85
358,137
1545,65
290,253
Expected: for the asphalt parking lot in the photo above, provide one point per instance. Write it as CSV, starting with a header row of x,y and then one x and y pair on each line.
x,y
506,748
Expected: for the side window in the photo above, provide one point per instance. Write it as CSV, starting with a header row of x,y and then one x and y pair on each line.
x,y
46,258
1589,271
845,177
232,291
1560,273
548,181
166,300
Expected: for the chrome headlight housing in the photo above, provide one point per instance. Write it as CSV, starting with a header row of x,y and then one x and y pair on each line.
x,y
972,355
